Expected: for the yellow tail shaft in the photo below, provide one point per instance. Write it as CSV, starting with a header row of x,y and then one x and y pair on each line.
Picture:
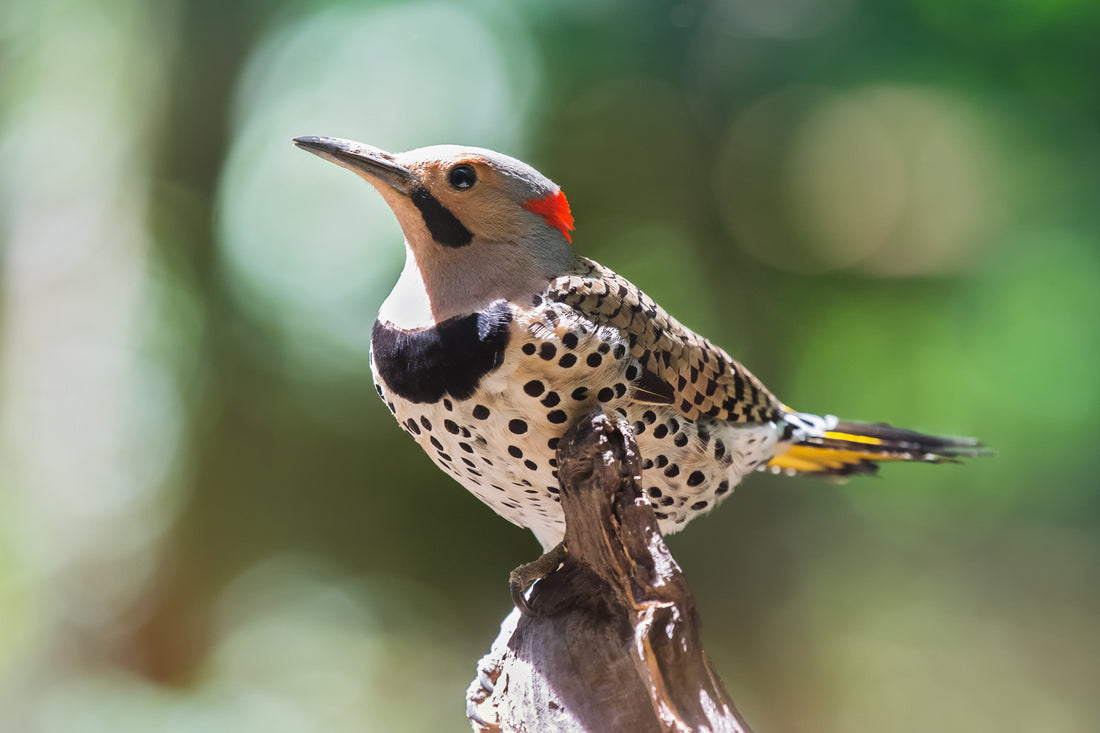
x,y
851,448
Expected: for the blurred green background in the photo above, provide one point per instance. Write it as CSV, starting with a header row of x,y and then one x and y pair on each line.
x,y
888,210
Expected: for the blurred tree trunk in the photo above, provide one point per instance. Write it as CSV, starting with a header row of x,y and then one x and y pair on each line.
x,y
210,44
613,643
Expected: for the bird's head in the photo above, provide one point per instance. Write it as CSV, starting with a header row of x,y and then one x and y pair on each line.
x,y
479,225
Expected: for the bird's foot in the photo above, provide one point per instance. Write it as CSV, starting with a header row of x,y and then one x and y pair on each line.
x,y
525,576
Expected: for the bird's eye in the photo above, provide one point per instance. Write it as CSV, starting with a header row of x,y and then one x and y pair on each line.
x,y
462,176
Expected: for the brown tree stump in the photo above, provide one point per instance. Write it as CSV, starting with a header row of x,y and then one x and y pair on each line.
x,y
614,644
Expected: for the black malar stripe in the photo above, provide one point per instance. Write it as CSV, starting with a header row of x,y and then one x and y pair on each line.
x,y
443,225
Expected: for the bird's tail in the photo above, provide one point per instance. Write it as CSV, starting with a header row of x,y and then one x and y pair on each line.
x,y
847,448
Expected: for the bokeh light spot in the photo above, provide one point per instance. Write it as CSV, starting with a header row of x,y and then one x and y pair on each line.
x,y
846,183
887,180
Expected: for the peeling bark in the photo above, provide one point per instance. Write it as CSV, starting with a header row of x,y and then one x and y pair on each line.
x,y
614,642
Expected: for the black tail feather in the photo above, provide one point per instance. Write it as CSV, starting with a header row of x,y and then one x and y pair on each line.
x,y
851,448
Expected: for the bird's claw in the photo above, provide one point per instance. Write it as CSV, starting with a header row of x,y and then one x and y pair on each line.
x,y
523,577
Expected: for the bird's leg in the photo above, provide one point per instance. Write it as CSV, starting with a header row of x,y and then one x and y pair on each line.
x,y
525,576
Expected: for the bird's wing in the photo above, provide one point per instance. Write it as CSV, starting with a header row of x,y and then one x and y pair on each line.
x,y
680,367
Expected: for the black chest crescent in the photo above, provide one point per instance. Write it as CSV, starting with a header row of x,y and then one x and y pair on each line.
x,y
450,358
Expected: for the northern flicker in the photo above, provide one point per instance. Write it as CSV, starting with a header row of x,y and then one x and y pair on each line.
x,y
497,336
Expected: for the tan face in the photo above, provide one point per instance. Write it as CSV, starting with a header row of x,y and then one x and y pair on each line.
x,y
479,225
472,190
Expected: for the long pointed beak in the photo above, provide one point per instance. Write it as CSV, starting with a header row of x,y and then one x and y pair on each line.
x,y
363,159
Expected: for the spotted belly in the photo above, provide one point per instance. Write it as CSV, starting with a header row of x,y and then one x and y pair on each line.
x,y
499,437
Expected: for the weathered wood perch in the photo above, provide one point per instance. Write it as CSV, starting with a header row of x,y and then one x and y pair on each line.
x,y
614,645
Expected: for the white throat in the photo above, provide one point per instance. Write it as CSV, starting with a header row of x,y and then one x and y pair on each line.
x,y
408,305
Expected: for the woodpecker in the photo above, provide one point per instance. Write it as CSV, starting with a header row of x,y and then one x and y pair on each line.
x,y
498,336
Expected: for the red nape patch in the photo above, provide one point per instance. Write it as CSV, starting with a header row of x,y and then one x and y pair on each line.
x,y
555,210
